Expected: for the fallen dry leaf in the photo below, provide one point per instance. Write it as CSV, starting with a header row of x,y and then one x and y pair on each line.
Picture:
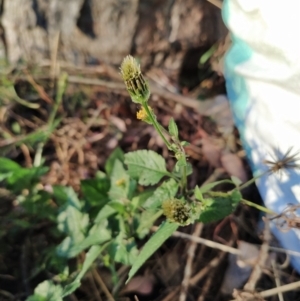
x,y
140,284
233,165
212,151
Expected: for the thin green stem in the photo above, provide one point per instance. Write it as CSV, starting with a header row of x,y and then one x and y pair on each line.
x,y
157,127
251,181
261,208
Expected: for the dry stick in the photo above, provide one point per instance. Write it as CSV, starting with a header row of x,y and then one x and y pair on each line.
x,y
189,262
206,287
212,264
206,242
26,154
102,285
192,248
262,258
281,289
95,290
184,100
195,279
276,290
40,90
277,279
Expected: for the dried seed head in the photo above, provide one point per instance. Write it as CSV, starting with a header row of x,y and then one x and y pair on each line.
x,y
176,211
283,162
135,83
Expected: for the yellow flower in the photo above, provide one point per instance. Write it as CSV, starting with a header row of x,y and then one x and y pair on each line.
x,y
143,115
135,83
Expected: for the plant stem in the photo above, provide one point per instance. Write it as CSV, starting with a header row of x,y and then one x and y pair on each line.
x,y
261,208
157,127
251,181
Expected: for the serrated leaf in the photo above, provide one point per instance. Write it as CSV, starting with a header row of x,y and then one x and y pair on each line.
x,y
173,129
146,166
167,190
116,154
152,245
90,257
215,208
47,291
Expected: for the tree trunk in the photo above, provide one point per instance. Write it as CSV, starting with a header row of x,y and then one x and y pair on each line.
x,y
159,32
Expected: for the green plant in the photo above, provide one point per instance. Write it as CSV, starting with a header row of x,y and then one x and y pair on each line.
x,y
116,210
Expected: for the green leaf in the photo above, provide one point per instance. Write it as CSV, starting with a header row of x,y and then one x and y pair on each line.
x,y
152,245
141,198
167,190
198,194
184,143
71,220
47,291
122,250
119,183
95,191
116,154
210,186
90,257
236,181
215,208
146,221
177,169
146,166
23,178
7,165
98,235
173,129
236,197
104,213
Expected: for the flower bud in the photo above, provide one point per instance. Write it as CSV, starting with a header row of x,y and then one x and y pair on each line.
x,y
135,83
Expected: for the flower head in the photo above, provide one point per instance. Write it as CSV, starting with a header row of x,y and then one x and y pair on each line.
x,y
135,83
176,211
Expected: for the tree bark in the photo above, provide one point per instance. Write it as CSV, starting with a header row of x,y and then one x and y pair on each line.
x,y
159,32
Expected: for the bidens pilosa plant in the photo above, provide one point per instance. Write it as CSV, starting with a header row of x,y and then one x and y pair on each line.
x,y
112,213
180,205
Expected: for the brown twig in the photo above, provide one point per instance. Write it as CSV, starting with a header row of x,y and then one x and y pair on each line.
x,y
262,258
95,290
102,285
188,267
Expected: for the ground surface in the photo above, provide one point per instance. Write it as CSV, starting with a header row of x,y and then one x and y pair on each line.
x,y
96,116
